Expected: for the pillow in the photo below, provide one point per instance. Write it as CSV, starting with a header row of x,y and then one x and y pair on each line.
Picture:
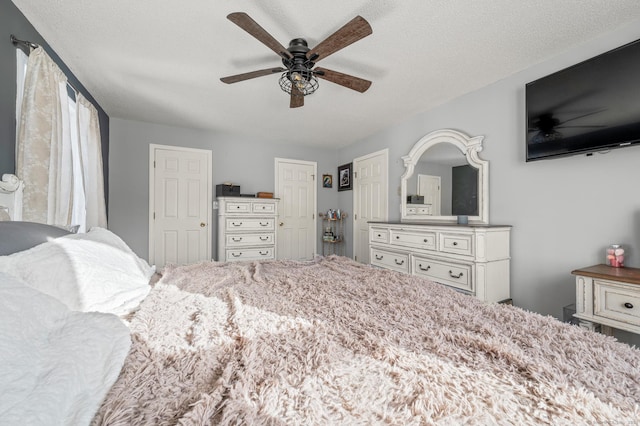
x,y
56,366
95,271
69,228
18,236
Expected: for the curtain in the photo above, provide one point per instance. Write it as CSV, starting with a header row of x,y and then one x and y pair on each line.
x,y
91,148
59,153
43,155
70,134
21,70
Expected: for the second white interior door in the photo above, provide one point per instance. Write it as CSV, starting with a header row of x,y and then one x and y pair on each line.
x,y
370,198
296,187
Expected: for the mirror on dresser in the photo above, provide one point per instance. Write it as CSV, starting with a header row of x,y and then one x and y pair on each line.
x,y
445,178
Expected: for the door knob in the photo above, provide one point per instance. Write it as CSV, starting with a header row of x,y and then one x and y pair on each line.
x,y
281,223
202,224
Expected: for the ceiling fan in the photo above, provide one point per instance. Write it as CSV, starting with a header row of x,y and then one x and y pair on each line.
x,y
299,78
546,126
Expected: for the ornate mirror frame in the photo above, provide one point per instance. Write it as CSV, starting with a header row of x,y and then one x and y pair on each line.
x,y
470,147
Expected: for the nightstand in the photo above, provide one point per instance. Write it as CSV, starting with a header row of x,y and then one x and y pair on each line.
x,y
609,296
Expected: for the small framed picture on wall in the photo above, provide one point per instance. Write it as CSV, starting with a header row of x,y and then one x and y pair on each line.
x,y
344,177
327,181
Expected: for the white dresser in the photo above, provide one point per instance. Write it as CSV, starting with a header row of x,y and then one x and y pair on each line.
x,y
419,209
246,228
473,259
608,296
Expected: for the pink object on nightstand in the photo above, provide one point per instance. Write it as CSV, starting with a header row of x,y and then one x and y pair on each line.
x,y
615,256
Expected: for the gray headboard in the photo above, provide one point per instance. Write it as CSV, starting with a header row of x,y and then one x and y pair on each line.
x,y
19,236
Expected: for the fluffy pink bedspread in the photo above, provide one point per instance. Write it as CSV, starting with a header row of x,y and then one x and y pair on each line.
x,y
331,341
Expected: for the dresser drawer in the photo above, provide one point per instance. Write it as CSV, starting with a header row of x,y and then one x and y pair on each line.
x,y
264,207
238,207
250,254
415,239
249,224
390,260
241,240
453,274
617,301
379,235
423,209
456,243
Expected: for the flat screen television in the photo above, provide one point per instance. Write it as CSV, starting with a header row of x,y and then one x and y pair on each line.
x,y
589,107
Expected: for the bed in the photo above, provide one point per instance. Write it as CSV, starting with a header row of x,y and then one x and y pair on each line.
x,y
91,334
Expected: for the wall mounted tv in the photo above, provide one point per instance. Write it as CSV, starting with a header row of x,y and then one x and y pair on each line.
x,y
589,107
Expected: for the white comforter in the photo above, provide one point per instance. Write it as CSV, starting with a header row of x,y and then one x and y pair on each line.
x,y
56,365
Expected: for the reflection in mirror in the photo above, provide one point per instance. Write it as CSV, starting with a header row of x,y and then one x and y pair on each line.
x,y
445,179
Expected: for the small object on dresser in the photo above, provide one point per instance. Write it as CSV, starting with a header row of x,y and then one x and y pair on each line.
x,y
265,194
615,256
227,190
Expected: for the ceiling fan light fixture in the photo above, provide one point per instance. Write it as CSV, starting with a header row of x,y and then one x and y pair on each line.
x,y
300,79
305,82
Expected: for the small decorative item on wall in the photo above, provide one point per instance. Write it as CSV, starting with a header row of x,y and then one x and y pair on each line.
x,y
344,177
327,181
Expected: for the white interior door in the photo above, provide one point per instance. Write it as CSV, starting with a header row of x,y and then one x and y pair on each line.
x,y
370,198
296,187
179,205
429,188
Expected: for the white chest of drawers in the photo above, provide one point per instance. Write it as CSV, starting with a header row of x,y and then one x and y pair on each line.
x,y
471,259
609,296
247,228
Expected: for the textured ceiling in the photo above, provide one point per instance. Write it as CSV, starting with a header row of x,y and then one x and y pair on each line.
x,y
161,61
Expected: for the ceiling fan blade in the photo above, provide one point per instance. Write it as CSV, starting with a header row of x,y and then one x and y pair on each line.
x,y
249,75
245,22
351,32
594,126
346,80
577,117
297,98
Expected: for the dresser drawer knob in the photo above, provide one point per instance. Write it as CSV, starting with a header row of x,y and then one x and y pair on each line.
x,y
425,240
263,253
264,238
455,276
236,240
628,305
397,237
236,254
455,243
379,257
399,263
424,269
264,224
236,223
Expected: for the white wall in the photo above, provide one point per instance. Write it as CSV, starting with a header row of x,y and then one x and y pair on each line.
x,y
564,211
246,162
